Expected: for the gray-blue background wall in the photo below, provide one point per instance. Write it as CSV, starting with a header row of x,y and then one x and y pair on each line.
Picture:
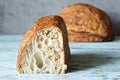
x,y
16,16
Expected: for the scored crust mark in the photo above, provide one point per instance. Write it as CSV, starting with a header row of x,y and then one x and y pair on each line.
x,y
87,18
44,48
85,36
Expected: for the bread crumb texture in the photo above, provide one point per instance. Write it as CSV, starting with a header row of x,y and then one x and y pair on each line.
x,y
44,53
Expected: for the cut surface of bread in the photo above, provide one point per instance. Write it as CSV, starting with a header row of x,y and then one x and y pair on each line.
x,y
47,50
87,20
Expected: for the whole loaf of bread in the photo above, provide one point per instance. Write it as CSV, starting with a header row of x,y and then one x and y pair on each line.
x,y
86,23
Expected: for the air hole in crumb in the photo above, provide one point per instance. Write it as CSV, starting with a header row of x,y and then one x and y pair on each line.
x,y
41,39
55,52
46,41
39,46
56,35
37,39
30,46
55,67
57,58
49,48
38,60
48,33
50,57
32,66
27,51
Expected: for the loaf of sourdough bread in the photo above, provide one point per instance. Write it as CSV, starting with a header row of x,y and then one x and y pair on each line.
x,y
86,23
44,48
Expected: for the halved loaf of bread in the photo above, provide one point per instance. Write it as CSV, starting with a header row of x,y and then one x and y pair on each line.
x,y
44,48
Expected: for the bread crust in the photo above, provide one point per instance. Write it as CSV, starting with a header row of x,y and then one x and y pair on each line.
x,y
85,18
44,22
84,37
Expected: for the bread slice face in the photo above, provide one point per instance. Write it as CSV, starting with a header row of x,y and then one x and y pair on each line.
x,y
44,48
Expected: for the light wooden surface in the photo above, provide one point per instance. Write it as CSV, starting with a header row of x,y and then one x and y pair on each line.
x,y
89,61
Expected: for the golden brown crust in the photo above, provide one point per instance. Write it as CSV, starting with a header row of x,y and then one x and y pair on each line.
x,y
52,20
87,18
84,37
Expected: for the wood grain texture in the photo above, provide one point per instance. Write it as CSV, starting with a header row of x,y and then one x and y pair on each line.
x,y
89,61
